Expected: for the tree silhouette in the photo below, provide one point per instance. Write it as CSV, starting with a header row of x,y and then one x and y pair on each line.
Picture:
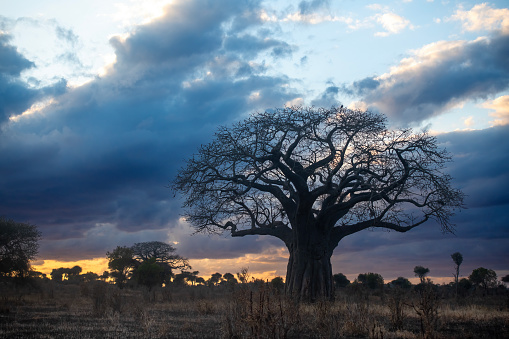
x,y
149,274
90,276
186,277
163,255
311,177
121,262
104,276
421,272
458,259
401,282
57,274
341,280
215,279
371,280
230,278
505,278
278,284
18,245
70,275
243,275
483,277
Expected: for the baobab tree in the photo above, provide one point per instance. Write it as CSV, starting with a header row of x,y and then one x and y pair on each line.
x,y
311,177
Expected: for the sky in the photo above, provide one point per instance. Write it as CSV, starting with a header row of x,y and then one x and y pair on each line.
x,y
101,102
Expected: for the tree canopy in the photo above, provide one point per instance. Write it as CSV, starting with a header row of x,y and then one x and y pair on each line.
x,y
311,177
140,261
121,262
421,272
371,280
483,277
18,246
161,252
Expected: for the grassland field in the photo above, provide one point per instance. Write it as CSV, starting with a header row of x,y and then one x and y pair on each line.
x,y
101,310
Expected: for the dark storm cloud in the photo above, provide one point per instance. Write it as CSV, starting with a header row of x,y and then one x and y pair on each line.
x,y
481,164
250,45
104,153
438,77
328,98
11,61
15,95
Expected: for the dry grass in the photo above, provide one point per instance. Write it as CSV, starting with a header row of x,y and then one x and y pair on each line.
x,y
103,311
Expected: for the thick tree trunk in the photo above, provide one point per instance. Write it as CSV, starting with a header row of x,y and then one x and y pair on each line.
x,y
309,272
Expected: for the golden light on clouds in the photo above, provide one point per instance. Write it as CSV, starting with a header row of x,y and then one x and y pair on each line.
x,y
501,107
483,17
35,108
469,122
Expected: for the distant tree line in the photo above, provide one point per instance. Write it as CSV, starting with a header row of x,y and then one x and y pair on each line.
x,y
152,264
480,279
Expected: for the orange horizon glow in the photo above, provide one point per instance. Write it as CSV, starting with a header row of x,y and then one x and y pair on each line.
x,y
260,267
206,267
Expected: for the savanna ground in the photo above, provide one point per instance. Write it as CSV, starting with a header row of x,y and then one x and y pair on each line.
x,y
100,310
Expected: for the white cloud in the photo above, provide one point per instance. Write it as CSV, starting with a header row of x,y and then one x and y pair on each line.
x,y
483,17
392,23
312,18
501,107
139,11
438,77
469,121
295,102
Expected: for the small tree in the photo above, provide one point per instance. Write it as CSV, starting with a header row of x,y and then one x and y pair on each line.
x,y
73,274
396,300
505,279
401,282
464,285
243,275
215,279
458,259
121,263
18,246
90,276
186,277
104,276
371,280
421,272
149,274
484,278
163,254
311,177
193,276
340,280
57,274
230,279
278,284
